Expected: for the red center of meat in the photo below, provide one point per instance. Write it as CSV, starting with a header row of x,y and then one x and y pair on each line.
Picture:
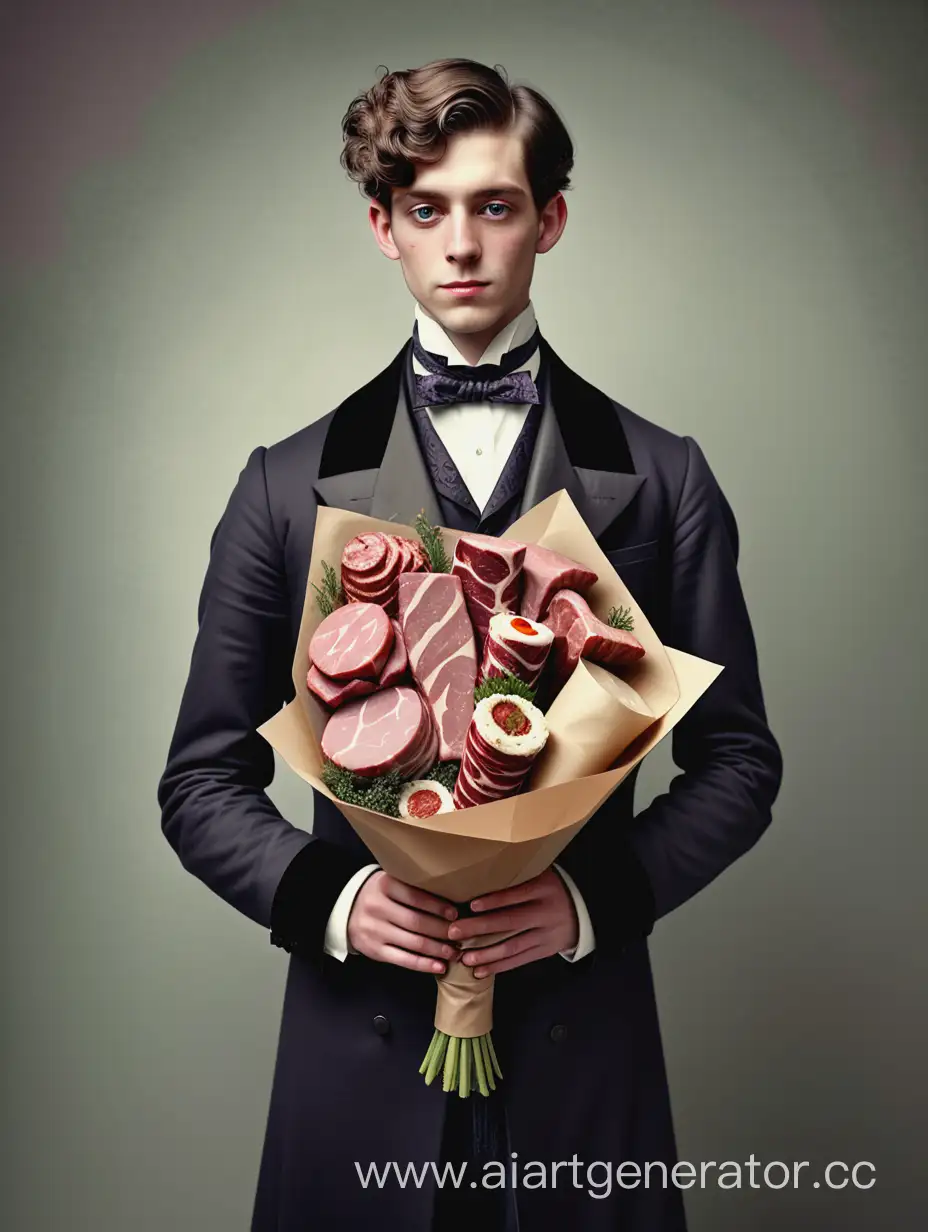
x,y
510,718
423,803
522,626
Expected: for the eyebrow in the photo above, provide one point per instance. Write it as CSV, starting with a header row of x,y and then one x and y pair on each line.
x,y
499,190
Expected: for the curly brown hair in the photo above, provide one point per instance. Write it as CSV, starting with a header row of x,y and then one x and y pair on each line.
x,y
408,116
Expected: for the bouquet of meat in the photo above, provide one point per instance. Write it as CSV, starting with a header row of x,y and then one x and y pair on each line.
x,y
468,702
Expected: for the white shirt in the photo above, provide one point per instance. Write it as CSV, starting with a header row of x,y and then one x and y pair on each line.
x,y
479,436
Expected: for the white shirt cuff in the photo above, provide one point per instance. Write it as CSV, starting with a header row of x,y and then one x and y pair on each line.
x,y
586,941
336,930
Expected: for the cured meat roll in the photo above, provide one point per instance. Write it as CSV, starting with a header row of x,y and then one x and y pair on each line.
x,y
490,570
544,573
354,640
425,798
505,736
515,645
579,634
390,730
371,566
442,652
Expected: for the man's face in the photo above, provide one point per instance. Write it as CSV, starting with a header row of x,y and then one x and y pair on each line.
x,y
470,217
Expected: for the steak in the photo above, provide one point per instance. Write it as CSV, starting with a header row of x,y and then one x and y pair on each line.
x,y
579,634
544,573
490,570
336,692
442,653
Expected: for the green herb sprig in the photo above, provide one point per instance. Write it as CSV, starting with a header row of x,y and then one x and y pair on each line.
x,y
621,618
431,539
503,684
380,793
331,595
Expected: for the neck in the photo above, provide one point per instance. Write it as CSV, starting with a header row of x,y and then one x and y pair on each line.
x,y
472,346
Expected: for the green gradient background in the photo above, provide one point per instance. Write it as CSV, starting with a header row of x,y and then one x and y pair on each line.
x,y
744,262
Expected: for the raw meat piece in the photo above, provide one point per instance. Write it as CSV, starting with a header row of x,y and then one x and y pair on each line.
x,y
442,652
390,730
515,645
578,634
354,640
395,667
490,571
336,692
544,573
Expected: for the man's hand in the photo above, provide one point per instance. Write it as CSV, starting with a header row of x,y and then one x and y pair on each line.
x,y
542,908
393,922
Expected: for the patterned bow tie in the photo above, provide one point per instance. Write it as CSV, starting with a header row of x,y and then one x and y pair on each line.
x,y
447,383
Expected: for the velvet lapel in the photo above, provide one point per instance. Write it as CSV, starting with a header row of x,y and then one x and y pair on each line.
x,y
371,462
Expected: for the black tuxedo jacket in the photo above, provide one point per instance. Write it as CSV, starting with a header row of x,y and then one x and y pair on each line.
x,y
652,501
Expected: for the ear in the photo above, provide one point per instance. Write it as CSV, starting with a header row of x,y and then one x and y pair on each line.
x,y
379,217
551,223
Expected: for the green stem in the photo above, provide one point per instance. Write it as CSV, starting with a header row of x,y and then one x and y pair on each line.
x,y
433,1043
478,1066
438,1055
450,1072
464,1075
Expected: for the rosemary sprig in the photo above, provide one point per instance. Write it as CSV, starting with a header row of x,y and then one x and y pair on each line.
x,y
503,684
621,618
430,536
331,595
380,793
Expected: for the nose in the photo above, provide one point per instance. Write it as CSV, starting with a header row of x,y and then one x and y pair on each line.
x,y
463,246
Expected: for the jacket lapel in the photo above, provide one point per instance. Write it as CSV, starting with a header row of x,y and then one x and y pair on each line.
x,y
371,462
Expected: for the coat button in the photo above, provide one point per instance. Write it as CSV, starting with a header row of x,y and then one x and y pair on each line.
x,y
381,1024
558,1033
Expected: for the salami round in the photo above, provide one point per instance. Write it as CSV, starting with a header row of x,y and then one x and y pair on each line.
x,y
354,640
371,566
423,798
390,730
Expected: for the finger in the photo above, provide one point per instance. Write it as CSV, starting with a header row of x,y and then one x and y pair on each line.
x,y
531,938
507,964
511,920
414,921
522,893
415,962
414,941
412,896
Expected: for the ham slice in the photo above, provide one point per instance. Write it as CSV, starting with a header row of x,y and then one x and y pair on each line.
x,y
544,573
579,634
354,640
490,571
336,692
390,730
442,652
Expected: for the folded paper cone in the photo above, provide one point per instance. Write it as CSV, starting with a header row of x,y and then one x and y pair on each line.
x,y
593,719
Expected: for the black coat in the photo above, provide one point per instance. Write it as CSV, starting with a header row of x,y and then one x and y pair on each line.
x,y
579,1043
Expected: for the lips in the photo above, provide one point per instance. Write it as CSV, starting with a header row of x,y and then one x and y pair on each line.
x,y
454,286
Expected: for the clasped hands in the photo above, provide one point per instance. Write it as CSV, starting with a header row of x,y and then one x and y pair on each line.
x,y
392,921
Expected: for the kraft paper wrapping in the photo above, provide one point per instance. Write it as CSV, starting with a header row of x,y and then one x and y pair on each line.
x,y
492,846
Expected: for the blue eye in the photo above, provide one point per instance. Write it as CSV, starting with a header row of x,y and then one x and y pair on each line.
x,y
497,205
422,207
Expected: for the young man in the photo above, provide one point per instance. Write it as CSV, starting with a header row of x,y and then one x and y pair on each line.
x,y
476,420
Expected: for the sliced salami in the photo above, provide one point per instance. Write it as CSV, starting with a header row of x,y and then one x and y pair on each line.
x,y
390,730
490,570
579,634
515,645
354,640
544,573
372,564
442,652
